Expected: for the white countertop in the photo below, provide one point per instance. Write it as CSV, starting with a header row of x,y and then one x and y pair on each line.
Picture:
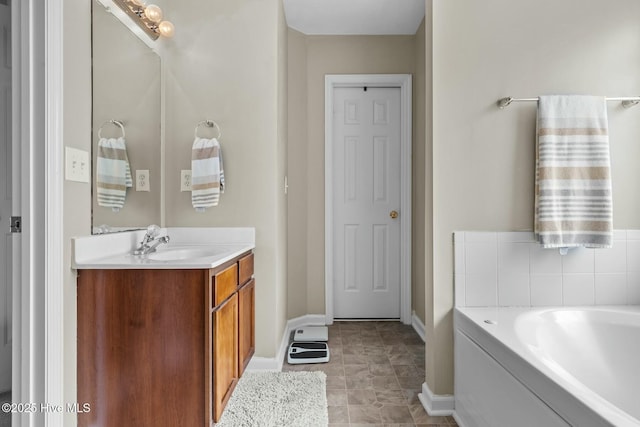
x,y
189,248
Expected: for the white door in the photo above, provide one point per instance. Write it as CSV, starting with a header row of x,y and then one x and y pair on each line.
x,y
5,198
366,202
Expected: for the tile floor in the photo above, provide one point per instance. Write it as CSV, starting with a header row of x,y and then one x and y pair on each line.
x,y
374,376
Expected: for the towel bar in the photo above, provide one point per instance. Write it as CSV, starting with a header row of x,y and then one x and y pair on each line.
x,y
627,102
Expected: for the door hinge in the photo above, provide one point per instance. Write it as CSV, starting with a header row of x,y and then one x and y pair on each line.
x,y
16,224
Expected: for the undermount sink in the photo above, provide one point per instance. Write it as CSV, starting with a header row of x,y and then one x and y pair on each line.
x,y
178,254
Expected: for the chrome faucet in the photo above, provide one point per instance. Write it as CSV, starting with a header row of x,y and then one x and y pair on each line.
x,y
150,242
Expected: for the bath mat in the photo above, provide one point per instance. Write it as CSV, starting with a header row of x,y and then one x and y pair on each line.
x,y
278,399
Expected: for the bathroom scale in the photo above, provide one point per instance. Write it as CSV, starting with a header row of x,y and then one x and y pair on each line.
x,y
311,333
308,352
309,345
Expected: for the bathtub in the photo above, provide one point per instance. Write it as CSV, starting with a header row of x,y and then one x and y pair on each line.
x,y
566,366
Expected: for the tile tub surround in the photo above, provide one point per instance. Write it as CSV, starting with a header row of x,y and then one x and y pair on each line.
x,y
505,269
374,376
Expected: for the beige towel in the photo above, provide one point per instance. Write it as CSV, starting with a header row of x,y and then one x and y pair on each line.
x,y
113,173
207,175
573,205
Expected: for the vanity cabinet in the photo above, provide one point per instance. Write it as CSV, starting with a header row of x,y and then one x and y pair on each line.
x,y
160,347
246,312
225,353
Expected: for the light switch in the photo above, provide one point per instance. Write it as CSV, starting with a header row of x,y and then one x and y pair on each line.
x,y
77,167
142,180
185,180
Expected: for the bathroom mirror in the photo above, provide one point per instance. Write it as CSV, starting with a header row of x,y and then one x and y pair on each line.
x,y
126,86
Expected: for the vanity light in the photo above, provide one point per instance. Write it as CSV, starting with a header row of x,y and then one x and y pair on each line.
x,y
166,29
148,17
153,13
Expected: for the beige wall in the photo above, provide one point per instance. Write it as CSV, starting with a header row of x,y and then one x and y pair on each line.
x,y
430,366
225,64
420,263
317,56
483,157
281,170
77,196
297,169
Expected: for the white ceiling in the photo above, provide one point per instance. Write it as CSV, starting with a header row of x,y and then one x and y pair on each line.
x,y
354,16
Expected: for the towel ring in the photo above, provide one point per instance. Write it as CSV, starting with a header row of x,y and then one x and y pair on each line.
x,y
113,122
209,124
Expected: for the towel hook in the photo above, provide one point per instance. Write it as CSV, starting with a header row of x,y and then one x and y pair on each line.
x,y
114,122
209,124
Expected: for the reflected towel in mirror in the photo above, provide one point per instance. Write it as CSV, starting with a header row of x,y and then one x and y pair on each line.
x,y
113,173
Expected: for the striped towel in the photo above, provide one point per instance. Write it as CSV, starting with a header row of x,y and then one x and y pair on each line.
x,y
207,173
573,205
113,173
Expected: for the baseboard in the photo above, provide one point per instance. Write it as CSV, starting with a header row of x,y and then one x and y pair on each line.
x,y
458,421
418,326
263,364
275,363
436,405
306,320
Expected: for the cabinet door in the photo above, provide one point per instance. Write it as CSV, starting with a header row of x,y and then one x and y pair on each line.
x,y
246,320
245,269
225,353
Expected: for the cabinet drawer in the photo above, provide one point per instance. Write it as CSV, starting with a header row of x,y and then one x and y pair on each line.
x,y
224,284
246,268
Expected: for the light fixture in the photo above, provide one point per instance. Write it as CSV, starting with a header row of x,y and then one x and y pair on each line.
x,y
148,17
153,13
166,29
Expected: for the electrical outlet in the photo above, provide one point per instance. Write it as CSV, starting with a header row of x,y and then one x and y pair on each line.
x,y
142,180
76,165
185,180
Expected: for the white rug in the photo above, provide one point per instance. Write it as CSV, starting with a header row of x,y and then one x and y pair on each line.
x,y
278,399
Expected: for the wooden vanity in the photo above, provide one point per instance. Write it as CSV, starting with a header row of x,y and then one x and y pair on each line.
x,y
163,347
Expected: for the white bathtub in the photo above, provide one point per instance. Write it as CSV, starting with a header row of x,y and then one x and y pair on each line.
x,y
576,366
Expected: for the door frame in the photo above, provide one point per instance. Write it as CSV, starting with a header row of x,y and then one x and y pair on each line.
x,y
54,327
38,316
403,82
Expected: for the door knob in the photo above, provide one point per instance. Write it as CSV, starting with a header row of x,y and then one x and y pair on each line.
x,y
393,214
